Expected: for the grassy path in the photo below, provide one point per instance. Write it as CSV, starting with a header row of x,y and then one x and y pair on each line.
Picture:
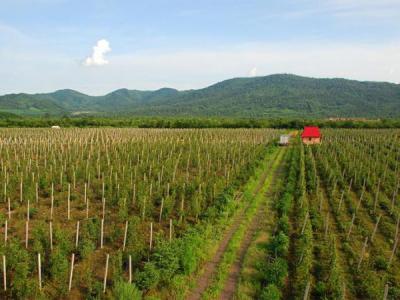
x,y
232,280
205,280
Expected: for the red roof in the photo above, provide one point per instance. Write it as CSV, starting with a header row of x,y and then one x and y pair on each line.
x,y
311,132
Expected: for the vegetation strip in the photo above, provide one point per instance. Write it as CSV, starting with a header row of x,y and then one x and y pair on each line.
x,y
231,254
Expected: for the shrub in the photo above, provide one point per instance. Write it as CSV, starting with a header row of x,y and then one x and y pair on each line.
x,y
126,291
270,292
149,277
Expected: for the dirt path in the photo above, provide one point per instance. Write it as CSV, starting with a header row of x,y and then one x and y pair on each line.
x,y
210,267
234,272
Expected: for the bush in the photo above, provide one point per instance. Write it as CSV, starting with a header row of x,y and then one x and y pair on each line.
x,y
270,292
126,291
149,277
275,272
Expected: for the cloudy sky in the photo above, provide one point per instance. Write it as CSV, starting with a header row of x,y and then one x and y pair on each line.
x,y
96,46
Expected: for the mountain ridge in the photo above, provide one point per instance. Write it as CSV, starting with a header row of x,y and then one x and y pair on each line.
x,y
278,95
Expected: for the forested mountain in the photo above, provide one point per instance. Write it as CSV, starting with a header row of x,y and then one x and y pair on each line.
x,y
280,95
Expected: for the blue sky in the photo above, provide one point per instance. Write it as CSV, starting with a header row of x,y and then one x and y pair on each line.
x,y
47,45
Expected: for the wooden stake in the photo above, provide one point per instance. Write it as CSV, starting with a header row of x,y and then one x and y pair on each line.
x,y
20,194
71,271
161,209
340,202
125,234
40,271
5,232
170,230
351,225
27,211
151,235
375,228
9,209
307,290
4,273
326,224
393,251
52,201
362,253
385,294
104,207
101,234
305,223
87,208
37,192
105,274
51,235
85,197
26,234
77,234
130,269
69,201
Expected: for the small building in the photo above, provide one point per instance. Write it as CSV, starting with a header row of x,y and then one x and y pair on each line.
x,y
311,135
55,127
284,139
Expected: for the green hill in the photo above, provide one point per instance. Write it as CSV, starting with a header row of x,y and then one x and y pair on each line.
x,y
280,95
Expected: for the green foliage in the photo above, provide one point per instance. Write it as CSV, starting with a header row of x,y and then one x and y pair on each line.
x,y
275,272
59,270
280,95
149,277
126,291
270,292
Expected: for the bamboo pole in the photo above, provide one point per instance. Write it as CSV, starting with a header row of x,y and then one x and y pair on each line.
x,y
4,273
106,273
125,235
71,271
40,271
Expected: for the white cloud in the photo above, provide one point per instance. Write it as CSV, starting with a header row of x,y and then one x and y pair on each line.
x,y
97,58
196,68
253,72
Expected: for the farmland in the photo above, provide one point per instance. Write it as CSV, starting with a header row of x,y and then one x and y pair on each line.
x,y
122,213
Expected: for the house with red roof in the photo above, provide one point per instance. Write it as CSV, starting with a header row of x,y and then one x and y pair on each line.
x,y
311,135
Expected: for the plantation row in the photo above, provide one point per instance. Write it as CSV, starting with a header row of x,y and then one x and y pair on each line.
x,y
335,223
87,211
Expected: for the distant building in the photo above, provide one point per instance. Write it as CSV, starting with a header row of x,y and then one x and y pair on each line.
x,y
284,139
311,135
55,127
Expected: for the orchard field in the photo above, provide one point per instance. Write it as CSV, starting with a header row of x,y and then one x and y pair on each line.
x,y
198,214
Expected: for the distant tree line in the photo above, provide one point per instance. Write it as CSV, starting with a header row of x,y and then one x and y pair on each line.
x,y
169,122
